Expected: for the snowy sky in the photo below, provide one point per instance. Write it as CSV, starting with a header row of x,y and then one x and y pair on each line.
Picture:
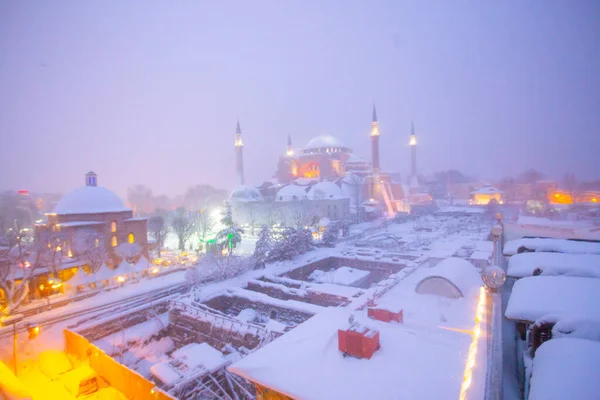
x,y
149,91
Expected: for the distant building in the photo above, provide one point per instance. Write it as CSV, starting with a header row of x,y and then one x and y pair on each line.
x,y
485,195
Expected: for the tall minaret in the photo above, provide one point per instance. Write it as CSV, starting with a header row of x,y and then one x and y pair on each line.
x,y
239,159
290,151
375,142
413,151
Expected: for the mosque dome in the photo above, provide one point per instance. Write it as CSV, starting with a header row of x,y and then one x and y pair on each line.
x,y
245,193
325,144
325,190
90,200
291,193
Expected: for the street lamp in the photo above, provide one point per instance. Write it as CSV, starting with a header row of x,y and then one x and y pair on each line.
x,y
493,277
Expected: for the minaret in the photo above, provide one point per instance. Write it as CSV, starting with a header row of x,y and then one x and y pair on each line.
x,y
239,159
375,142
290,150
413,151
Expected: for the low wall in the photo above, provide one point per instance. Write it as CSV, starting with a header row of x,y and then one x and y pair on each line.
x,y
128,382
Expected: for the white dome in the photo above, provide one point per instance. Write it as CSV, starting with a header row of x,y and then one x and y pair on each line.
x,y
325,190
89,200
325,142
291,193
245,193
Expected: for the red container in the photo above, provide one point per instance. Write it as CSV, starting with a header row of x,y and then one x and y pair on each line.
x,y
381,314
358,341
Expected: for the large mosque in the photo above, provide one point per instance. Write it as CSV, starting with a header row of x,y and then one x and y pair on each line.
x,y
325,179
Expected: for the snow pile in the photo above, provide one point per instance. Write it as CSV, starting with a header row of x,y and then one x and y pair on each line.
x,y
275,326
247,315
566,369
306,362
165,373
458,271
583,265
196,354
345,276
581,327
557,245
89,200
537,296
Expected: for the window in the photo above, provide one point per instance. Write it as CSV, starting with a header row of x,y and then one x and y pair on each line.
x,y
131,238
113,241
113,226
96,242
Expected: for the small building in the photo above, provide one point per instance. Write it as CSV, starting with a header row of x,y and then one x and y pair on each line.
x,y
485,195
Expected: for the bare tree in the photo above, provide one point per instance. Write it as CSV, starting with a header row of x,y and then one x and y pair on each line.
x,y
183,227
300,215
159,229
205,224
88,244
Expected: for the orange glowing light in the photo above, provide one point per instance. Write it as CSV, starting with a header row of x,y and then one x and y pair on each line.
x,y
120,279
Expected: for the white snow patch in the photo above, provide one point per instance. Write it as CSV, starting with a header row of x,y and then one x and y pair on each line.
x,y
583,265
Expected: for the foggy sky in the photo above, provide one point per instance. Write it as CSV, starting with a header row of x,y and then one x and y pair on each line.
x,y
149,91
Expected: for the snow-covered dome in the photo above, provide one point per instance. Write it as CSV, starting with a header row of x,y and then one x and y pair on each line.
x,y
452,277
245,193
325,143
291,193
89,200
325,190
354,159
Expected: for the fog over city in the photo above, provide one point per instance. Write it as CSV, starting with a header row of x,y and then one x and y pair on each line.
x,y
150,92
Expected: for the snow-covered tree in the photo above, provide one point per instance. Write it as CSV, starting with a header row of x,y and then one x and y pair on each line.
x,y
204,225
128,251
229,238
292,242
88,245
300,215
158,229
183,227
227,219
331,235
19,260
263,246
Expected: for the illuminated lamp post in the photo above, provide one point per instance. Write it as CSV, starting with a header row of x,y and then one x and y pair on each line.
x,y
32,329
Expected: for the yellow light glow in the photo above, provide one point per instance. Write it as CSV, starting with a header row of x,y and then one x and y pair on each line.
x,y
468,373
413,140
155,270
41,287
290,153
594,200
375,129
58,248
27,264
70,253
120,279
56,285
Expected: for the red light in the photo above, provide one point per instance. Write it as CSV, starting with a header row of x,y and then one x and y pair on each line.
x,y
23,192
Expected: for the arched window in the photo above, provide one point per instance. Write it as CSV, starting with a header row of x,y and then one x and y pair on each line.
x,y
113,226
113,241
131,238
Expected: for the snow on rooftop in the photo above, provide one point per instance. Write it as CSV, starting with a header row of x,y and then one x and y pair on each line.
x,y
345,276
89,200
291,192
536,296
459,210
79,223
566,369
413,362
557,245
325,190
136,333
583,265
245,194
487,189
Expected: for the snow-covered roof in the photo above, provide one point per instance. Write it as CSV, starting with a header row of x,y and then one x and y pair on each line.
x,y
104,273
566,369
196,354
458,271
459,210
487,189
559,245
136,219
306,363
536,296
80,278
583,265
354,159
245,193
291,193
323,141
325,190
79,223
141,265
89,200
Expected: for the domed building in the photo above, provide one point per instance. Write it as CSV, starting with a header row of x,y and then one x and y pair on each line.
x,y
322,158
94,212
